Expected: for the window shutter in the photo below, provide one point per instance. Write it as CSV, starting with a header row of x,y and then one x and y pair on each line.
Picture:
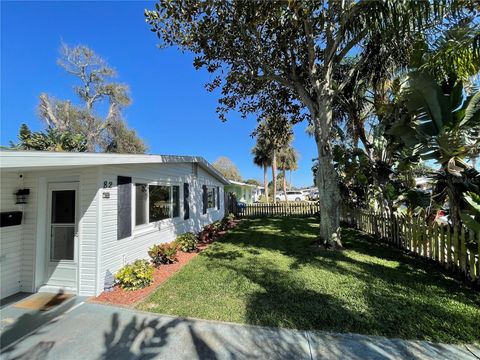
x,y
218,197
205,198
186,204
124,207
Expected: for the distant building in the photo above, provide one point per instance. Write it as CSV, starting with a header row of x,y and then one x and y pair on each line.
x,y
247,193
424,183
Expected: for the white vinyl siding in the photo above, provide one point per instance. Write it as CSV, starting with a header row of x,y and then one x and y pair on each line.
x,y
23,248
89,192
29,232
10,239
116,253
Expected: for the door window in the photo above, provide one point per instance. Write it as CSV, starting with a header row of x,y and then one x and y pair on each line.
x,y
62,245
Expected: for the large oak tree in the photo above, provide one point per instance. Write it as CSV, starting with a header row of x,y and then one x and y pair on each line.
x,y
265,48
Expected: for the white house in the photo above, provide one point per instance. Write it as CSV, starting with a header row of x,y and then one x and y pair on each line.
x,y
71,220
247,193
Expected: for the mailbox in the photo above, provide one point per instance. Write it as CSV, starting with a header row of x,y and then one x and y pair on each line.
x,y
10,218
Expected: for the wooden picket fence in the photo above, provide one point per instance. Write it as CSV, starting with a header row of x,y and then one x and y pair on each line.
x,y
281,209
455,248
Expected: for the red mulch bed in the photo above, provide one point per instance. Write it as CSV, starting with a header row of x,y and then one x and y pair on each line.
x,y
123,297
120,296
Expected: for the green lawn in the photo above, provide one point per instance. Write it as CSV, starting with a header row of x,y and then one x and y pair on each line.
x,y
267,272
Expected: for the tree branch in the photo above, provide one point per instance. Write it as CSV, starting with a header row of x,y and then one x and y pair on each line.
x,y
350,45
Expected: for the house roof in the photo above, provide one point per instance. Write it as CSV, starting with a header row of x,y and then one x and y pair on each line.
x,y
232,182
23,160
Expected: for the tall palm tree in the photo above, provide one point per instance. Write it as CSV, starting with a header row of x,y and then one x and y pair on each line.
x,y
262,157
287,160
275,133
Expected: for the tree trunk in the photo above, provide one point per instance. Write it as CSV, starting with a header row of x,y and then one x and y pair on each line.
x,y
453,199
285,183
290,179
274,175
265,181
327,182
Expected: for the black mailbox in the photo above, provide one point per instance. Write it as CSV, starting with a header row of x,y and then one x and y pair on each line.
x,y
10,218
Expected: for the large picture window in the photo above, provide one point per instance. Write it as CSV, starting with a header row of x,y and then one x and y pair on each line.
x,y
159,199
156,202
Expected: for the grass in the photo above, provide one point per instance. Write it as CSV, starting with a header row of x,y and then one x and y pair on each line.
x,y
267,272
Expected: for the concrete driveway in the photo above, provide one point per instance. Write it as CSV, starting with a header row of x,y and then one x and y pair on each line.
x,y
79,330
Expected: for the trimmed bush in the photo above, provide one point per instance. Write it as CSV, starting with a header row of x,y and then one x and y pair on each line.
x,y
187,242
135,276
228,222
163,254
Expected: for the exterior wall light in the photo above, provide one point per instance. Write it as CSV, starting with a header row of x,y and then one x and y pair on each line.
x,y
22,196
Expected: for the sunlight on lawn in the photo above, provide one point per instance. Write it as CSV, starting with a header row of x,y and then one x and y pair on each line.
x,y
268,272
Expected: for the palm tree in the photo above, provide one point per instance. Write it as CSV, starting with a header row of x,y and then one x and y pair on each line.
x,y
442,124
287,160
262,157
275,133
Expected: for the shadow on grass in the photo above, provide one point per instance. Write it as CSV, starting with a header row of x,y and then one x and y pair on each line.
x,y
372,288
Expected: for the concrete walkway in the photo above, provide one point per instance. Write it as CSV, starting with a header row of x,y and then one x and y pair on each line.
x,y
93,331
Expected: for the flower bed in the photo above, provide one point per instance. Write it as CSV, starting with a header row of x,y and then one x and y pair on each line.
x,y
119,296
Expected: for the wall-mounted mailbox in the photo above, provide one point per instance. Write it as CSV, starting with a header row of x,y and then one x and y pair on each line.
x,y
10,218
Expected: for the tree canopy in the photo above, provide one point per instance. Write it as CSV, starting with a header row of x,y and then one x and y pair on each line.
x,y
101,132
49,140
227,168
289,58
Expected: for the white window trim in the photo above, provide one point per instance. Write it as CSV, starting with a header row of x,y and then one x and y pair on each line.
x,y
153,226
215,208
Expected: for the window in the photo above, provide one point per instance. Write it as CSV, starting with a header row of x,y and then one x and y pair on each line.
x,y
211,197
159,202
141,204
156,202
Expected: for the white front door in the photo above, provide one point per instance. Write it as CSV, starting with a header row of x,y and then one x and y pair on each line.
x,y
62,237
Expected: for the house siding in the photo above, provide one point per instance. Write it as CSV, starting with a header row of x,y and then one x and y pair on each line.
x,y
10,238
116,253
29,232
23,247
88,257
29,238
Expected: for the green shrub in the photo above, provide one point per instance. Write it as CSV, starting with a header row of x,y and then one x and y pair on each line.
x,y
228,222
163,254
216,226
135,276
209,232
187,242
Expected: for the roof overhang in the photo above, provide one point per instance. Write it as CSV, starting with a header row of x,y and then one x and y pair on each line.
x,y
233,182
14,160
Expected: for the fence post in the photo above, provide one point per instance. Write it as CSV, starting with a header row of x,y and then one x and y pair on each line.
x,y
442,244
455,246
425,238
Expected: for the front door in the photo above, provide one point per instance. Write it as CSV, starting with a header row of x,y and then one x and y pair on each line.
x,y
62,236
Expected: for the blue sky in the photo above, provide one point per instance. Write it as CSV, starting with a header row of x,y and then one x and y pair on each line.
x,y
171,110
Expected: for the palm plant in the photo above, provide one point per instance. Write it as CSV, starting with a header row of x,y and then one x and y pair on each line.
x,y
274,133
471,215
442,124
52,139
287,159
262,157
